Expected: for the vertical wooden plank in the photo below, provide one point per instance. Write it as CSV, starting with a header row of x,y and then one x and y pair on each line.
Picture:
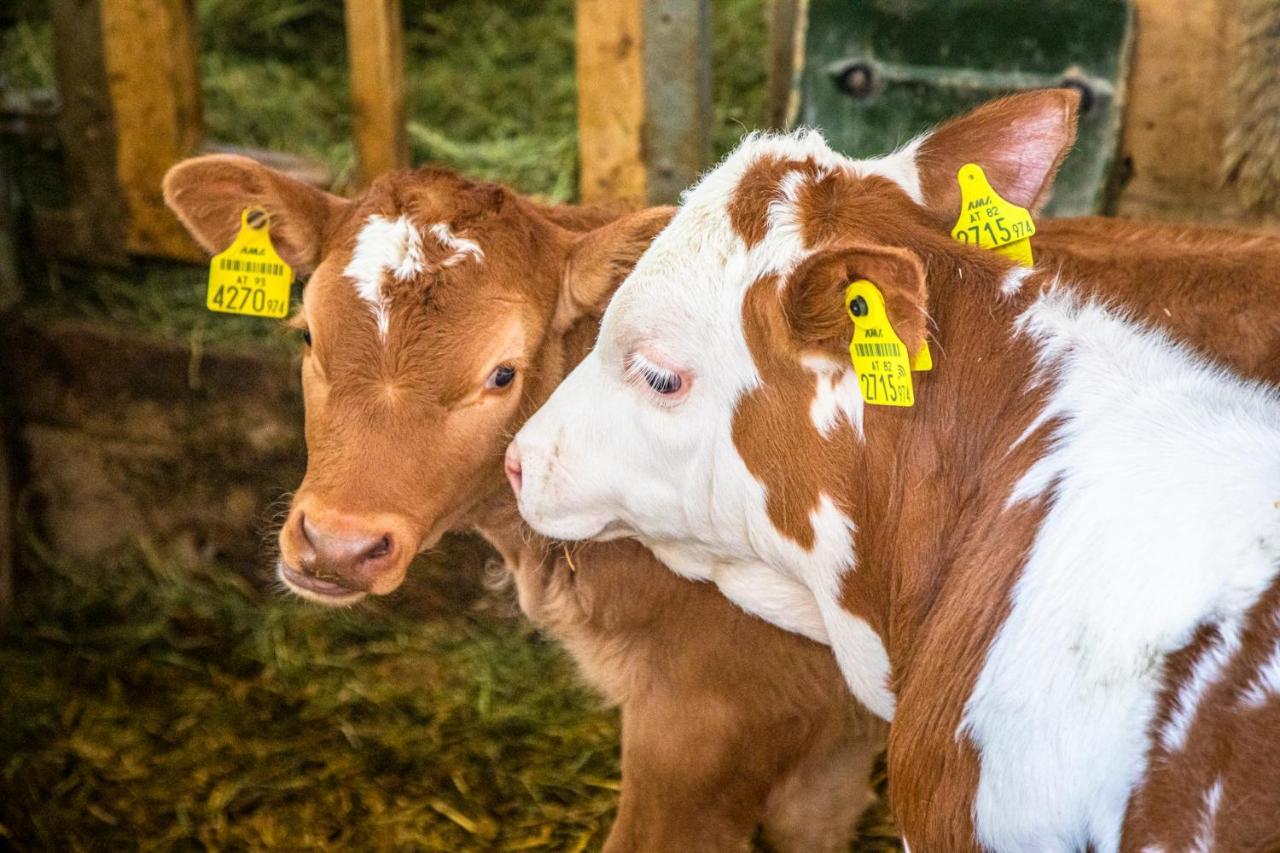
x,y
677,126
95,227
1176,113
644,98
611,101
375,46
149,47
786,53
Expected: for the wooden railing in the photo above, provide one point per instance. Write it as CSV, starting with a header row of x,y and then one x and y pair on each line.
x,y
128,74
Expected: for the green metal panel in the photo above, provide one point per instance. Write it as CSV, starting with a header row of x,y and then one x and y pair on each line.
x,y
877,72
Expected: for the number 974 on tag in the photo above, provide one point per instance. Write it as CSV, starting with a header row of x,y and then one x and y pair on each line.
x,y
247,285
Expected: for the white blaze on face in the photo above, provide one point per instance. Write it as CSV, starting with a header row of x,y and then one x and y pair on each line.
x,y
395,246
608,455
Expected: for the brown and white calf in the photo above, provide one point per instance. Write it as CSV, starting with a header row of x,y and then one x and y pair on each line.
x,y
438,314
1056,573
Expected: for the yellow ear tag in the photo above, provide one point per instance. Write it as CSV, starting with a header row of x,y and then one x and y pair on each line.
x,y
987,220
249,277
879,356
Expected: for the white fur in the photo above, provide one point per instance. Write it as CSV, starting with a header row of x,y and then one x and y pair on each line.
x,y
1210,666
1265,685
836,396
1167,471
1014,279
395,246
460,248
384,245
1204,842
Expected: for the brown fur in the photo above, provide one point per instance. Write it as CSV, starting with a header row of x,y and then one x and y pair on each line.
x,y
937,551
728,723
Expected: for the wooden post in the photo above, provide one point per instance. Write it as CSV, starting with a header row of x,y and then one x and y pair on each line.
x,y
375,47
94,229
786,50
644,98
149,47
610,69
677,82
1177,112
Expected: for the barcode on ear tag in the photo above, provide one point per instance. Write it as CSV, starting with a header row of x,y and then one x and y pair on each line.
x,y
249,277
880,358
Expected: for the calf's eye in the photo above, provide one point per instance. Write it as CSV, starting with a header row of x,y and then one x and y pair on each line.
x,y
662,381
306,337
501,377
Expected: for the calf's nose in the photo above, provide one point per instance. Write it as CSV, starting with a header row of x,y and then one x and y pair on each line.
x,y
349,557
515,475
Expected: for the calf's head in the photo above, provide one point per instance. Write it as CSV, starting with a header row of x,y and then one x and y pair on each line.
x,y
429,327
716,413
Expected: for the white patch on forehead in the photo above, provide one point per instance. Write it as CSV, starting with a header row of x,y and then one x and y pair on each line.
x,y
384,245
460,248
395,246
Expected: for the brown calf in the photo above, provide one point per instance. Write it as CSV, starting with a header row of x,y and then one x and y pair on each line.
x,y
438,314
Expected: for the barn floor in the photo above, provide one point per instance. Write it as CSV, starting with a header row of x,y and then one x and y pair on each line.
x,y
180,707
169,707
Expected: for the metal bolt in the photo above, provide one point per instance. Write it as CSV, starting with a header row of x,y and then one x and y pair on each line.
x,y
857,80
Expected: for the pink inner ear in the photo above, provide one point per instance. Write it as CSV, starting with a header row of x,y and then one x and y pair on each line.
x,y
1030,159
1019,141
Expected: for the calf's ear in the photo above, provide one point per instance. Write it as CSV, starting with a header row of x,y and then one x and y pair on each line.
x,y
1019,141
814,297
208,194
600,260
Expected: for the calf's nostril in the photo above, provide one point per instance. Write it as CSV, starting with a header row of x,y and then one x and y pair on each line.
x,y
380,549
305,529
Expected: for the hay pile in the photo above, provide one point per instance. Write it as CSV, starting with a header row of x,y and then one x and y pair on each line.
x,y
164,707
168,707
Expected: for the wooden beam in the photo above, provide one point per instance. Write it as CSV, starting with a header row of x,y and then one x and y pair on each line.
x,y
610,68
149,47
94,229
375,47
1177,113
786,52
644,98
677,126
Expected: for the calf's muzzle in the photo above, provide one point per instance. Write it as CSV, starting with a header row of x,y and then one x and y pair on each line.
x,y
335,557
